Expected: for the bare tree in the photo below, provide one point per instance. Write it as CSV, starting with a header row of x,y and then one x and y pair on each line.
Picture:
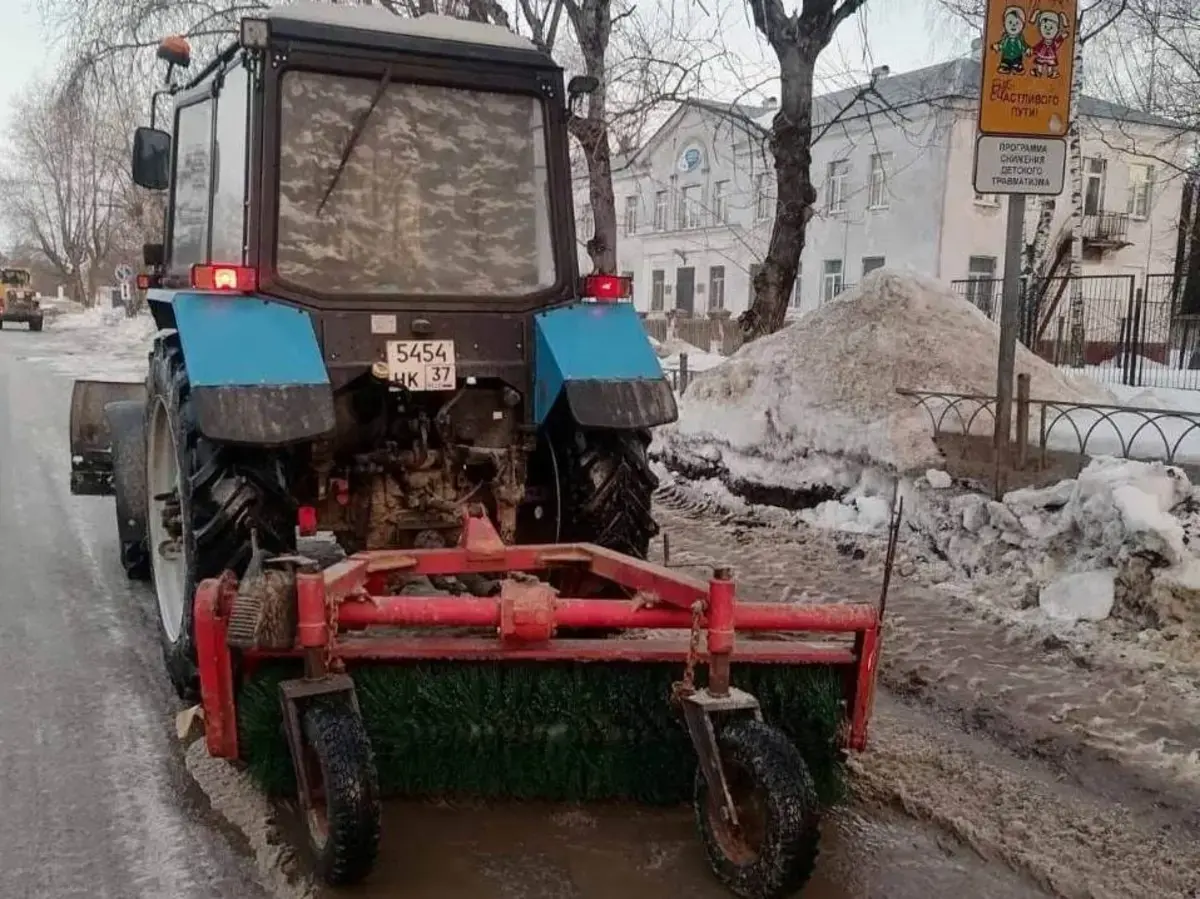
x,y
797,40
64,188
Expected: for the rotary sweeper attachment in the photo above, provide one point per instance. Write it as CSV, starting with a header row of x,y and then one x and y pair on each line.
x,y
341,686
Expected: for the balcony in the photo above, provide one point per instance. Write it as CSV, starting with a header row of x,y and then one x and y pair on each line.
x,y
1105,232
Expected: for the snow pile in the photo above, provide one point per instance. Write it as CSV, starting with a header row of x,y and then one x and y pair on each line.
x,y
97,343
1114,540
670,351
826,384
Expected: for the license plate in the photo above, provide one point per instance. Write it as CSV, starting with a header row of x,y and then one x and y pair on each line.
x,y
419,365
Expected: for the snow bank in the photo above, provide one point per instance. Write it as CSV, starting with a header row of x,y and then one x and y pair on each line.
x,y
826,384
1115,539
97,343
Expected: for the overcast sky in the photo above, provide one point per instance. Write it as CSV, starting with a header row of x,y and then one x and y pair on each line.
x,y
903,34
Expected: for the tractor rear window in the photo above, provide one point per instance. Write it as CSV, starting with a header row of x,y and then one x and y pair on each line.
x,y
395,188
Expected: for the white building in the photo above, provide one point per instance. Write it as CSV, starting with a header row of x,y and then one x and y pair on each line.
x,y
894,182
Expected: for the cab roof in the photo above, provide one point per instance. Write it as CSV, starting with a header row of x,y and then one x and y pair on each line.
x,y
378,20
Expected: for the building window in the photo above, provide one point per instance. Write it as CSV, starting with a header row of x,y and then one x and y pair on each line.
x,y
835,185
658,289
881,163
762,197
630,215
660,210
1095,171
688,214
794,301
720,203
1141,190
831,280
981,282
870,263
716,287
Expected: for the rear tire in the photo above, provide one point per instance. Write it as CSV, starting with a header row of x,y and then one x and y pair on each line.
x,y
608,490
775,851
213,498
598,488
343,827
35,324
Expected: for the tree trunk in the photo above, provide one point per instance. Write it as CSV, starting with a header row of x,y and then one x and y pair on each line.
x,y
592,21
1036,249
593,138
791,141
1077,338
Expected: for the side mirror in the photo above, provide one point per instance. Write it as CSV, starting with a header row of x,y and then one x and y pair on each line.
x,y
579,86
582,84
153,255
151,159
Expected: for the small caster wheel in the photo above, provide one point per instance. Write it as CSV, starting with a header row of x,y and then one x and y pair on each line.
x,y
343,824
773,851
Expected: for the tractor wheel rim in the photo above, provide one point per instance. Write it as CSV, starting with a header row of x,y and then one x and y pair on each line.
x,y
740,845
170,570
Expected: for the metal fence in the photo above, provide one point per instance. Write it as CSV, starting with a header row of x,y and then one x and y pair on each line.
x,y
1142,334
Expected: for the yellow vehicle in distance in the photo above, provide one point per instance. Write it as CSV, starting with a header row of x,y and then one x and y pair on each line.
x,y
18,300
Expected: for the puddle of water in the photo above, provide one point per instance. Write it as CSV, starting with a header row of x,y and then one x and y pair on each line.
x,y
444,851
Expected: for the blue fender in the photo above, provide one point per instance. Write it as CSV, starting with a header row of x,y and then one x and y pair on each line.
x,y
599,357
255,368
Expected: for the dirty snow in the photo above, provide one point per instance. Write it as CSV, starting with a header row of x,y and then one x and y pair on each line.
x,y
97,343
827,383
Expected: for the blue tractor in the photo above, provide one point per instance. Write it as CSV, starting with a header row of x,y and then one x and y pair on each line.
x,y
370,313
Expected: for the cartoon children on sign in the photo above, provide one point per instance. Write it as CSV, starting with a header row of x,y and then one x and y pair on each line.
x,y
1013,48
1052,26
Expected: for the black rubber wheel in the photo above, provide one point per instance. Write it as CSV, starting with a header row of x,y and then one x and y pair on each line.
x,y
773,853
221,495
343,825
608,490
595,486
35,324
135,559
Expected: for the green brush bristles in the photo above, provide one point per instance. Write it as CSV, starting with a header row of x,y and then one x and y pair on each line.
x,y
552,731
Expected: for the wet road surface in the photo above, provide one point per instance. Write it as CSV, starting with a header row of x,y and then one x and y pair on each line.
x,y
97,802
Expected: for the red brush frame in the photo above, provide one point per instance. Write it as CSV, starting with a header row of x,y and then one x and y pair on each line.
x,y
525,616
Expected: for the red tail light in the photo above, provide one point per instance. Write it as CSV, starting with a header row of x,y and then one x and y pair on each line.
x,y
225,278
306,520
607,288
143,282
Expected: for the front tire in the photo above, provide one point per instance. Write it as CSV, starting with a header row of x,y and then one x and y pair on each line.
x,y
773,853
344,823
204,501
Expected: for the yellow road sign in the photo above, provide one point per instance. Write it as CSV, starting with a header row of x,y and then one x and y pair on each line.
x,y
1028,60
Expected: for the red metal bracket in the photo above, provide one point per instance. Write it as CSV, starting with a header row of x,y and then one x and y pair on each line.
x,y
526,611
213,600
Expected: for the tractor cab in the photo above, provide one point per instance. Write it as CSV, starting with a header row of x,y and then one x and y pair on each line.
x,y
14,283
344,157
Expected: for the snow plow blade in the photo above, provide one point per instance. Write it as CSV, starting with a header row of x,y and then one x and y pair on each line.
x,y
91,436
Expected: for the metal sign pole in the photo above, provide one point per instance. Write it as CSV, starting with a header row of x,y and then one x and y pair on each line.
x,y
1010,322
1021,149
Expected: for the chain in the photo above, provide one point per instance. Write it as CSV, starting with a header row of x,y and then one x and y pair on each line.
x,y
687,686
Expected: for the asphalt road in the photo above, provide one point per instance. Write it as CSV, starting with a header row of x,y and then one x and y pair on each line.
x,y
96,800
